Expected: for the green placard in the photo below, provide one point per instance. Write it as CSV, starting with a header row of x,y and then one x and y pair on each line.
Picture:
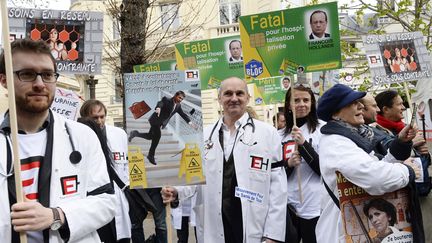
x,y
169,65
281,42
216,59
270,90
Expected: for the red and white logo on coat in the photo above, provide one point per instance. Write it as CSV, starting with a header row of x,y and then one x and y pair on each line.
x,y
288,149
29,175
259,163
69,184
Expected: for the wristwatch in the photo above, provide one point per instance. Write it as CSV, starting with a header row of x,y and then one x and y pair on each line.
x,y
57,221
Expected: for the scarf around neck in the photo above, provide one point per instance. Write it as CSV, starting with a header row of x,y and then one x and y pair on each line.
x,y
362,136
395,127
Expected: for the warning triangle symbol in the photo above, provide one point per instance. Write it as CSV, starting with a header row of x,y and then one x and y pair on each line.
x,y
193,163
135,170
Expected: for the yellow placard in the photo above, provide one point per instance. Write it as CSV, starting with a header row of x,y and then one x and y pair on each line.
x,y
191,163
137,172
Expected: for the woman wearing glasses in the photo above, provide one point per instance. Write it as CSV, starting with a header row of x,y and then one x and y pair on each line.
x,y
304,202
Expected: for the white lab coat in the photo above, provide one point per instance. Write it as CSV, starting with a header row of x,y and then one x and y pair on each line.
x,y
265,219
177,213
338,153
311,185
117,142
85,214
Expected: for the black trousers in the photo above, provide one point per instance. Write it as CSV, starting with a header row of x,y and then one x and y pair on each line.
x,y
183,233
305,228
153,134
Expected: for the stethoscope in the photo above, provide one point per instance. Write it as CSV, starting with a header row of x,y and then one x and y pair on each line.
x,y
208,144
74,157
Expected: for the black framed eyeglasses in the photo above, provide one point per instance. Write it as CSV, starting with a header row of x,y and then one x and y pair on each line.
x,y
30,76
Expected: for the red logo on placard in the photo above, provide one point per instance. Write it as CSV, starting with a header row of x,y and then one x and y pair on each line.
x,y
288,148
69,184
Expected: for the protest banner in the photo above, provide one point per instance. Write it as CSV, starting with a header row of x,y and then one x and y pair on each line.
x,y
75,37
366,218
171,131
287,41
156,66
216,59
270,90
397,57
66,103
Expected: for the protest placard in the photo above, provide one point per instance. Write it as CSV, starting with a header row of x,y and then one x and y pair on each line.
x,y
169,65
397,57
216,59
294,40
66,103
366,218
169,135
75,37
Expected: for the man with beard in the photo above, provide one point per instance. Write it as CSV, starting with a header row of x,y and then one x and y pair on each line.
x,y
67,191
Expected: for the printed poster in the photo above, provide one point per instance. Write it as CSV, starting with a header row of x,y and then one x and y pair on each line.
x,y
156,66
373,219
271,90
290,41
164,120
216,59
66,103
397,57
75,37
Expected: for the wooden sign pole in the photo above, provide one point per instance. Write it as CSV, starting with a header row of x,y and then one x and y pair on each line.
x,y
12,109
292,104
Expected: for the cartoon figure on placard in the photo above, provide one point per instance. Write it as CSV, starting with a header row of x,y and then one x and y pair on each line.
x,y
165,109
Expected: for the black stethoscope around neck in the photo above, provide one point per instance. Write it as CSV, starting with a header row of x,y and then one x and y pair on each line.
x,y
74,157
208,144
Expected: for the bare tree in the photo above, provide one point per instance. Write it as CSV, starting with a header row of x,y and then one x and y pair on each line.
x,y
136,22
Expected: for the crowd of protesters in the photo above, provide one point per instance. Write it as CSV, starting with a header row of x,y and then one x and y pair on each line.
x,y
262,184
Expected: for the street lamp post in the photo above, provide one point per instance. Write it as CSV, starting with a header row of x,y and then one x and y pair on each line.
x,y
91,82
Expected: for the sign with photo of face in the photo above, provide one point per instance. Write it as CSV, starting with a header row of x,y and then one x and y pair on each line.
x,y
216,59
289,41
397,57
75,37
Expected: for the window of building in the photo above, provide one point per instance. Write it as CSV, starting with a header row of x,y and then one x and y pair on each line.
x,y
117,98
229,11
169,16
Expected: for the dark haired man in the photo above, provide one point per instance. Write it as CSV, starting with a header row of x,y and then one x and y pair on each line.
x,y
318,23
235,48
65,181
116,139
390,117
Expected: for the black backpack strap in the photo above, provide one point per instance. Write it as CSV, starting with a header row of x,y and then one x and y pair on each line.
x,y
278,164
332,195
116,178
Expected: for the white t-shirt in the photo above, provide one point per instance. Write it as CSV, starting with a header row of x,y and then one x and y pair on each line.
x,y
32,151
311,186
